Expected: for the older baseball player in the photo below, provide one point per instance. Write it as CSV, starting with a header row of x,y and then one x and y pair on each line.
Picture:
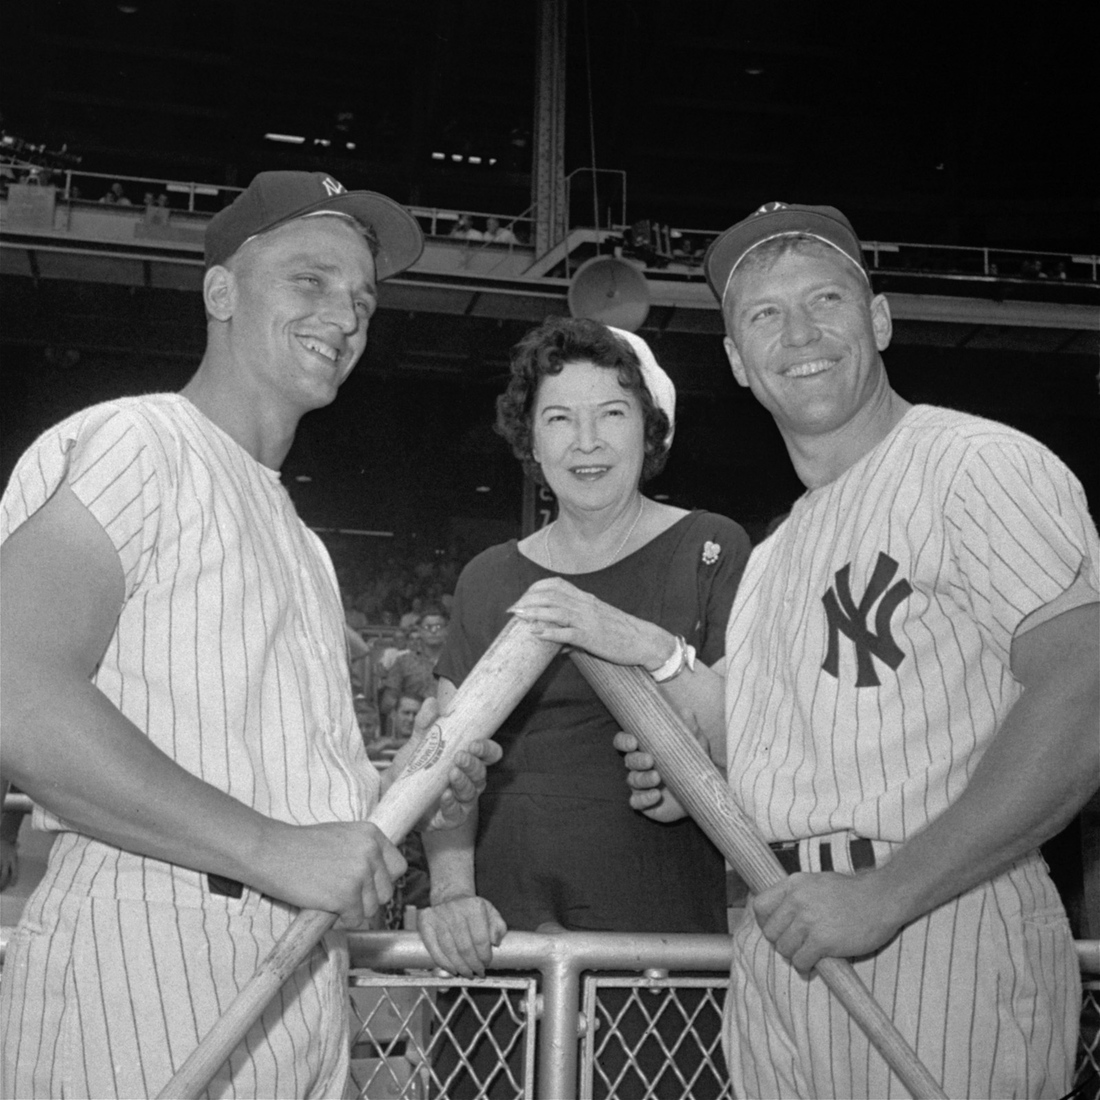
x,y
176,695
910,699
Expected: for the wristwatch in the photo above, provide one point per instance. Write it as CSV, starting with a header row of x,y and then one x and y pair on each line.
x,y
683,655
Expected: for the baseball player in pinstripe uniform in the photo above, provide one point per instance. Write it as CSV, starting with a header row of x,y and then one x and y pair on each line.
x,y
176,695
908,704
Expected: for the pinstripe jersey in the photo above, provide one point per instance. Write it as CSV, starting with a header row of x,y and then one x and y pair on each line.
x,y
229,654
868,669
868,648
229,651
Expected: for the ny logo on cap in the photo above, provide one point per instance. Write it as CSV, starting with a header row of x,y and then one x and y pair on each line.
x,y
332,187
772,207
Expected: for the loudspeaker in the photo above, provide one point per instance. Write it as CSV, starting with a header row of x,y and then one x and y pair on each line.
x,y
611,291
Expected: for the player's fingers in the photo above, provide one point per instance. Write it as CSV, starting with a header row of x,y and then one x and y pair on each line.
x,y
790,941
487,751
638,760
427,714
378,889
625,742
643,781
807,956
767,901
645,800
465,776
393,860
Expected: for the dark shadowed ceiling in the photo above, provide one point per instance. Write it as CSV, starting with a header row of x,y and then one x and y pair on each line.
x,y
973,124
968,123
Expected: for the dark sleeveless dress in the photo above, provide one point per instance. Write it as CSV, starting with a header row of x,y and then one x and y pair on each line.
x,y
557,839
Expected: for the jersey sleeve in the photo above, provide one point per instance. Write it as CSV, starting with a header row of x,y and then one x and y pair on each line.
x,y
1021,536
114,466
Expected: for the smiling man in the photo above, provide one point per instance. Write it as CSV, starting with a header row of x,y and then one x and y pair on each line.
x,y
911,699
176,696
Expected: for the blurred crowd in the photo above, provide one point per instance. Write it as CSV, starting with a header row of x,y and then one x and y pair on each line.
x,y
396,616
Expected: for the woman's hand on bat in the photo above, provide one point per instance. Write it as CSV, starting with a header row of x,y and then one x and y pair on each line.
x,y
560,612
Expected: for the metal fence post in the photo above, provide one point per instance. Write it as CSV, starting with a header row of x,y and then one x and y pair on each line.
x,y
559,1031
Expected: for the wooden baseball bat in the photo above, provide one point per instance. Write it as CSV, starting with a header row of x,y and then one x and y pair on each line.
x,y
632,697
506,672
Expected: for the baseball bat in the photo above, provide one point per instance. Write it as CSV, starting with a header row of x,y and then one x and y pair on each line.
x,y
506,672
632,697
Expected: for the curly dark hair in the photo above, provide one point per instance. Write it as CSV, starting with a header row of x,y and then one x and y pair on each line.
x,y
545,350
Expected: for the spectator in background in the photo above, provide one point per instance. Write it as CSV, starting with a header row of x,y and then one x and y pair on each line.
x,y
404,716
359,662
465,230
414,673
499,234
399,644
116,196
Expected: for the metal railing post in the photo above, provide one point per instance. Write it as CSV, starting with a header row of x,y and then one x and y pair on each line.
x,y
559,1030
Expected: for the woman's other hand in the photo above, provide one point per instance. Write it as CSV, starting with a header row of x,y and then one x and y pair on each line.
x,y
460,934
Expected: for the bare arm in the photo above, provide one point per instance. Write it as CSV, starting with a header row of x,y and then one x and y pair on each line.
x,y
460,929
563,613
1038,771
77,755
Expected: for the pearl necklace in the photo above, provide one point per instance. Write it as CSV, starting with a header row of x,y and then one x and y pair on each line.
x,y
618,550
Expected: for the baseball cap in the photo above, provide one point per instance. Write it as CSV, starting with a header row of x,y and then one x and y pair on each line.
x,y
275,198
778,219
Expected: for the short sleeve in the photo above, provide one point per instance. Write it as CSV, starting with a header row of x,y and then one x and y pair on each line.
x,y
477,612
113,463
460,650
723,552
1021,535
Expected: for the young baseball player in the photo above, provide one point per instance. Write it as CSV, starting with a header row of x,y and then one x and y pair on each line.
x,y
911,699
176,696
927,618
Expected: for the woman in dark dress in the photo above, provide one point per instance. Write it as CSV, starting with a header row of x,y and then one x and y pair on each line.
x,y
555,844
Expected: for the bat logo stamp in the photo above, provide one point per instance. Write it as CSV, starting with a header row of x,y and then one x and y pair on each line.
x,y
429,752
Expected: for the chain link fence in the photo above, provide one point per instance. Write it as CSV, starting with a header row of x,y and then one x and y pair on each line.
x,y
595,1015
646,1035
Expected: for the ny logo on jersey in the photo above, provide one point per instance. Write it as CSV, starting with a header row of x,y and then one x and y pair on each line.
x,y
849,618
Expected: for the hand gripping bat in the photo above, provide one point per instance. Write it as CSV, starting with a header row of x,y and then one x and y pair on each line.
x,y
505,673
632,697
